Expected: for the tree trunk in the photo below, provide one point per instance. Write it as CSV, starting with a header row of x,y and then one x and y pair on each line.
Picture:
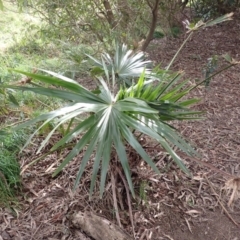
x,y
109,13
154,9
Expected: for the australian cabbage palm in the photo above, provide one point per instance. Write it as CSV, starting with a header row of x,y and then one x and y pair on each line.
x,y
112,119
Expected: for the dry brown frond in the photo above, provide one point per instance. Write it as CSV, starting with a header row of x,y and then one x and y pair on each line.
x,y
233,187
26,80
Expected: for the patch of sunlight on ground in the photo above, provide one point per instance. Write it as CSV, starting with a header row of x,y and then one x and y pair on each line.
x,y
13,24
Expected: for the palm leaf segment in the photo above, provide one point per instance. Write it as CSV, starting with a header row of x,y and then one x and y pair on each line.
x,y
126,65
165,96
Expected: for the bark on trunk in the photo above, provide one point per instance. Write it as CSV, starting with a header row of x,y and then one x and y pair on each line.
x,y
153,24
109,14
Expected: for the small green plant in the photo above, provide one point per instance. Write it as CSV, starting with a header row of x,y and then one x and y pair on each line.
x,y
158,34
75,59
175,31
143,191
6,99
10,180
10,61
211,66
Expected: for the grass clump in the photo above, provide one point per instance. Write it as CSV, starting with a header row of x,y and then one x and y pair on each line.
x,y
10,180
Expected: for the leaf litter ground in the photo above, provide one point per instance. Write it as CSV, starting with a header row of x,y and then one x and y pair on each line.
x,y
169,205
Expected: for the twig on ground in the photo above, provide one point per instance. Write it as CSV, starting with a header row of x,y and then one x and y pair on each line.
x,y
129,200
168,237
188,224
32,237
226,174
115,199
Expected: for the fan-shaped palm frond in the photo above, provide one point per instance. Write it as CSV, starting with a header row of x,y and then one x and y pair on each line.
x,y
126,66
109,126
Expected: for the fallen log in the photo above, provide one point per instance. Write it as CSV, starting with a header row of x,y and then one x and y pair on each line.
x,y
97,227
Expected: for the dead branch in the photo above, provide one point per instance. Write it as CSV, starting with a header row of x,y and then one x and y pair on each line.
x,y
224,209
26,80
128,198
109,13
205,164
97,227
115,199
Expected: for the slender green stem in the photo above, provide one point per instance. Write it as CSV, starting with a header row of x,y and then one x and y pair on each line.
x,y
69,126
225,68
176,54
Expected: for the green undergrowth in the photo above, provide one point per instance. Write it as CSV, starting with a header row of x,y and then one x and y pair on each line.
x,y
10,180
23,46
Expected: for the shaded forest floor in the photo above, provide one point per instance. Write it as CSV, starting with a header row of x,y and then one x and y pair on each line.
x,y
172,205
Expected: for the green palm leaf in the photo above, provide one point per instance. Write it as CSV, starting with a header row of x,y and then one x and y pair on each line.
x,y
125,65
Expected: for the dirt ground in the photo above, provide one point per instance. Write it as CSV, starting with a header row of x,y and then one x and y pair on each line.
x,y
172,206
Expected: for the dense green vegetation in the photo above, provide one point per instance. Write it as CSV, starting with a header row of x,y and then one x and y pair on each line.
x,y
207,9
10,180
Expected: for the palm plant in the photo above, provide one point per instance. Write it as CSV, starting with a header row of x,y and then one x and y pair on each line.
x,y
116,113
144,108
125,66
